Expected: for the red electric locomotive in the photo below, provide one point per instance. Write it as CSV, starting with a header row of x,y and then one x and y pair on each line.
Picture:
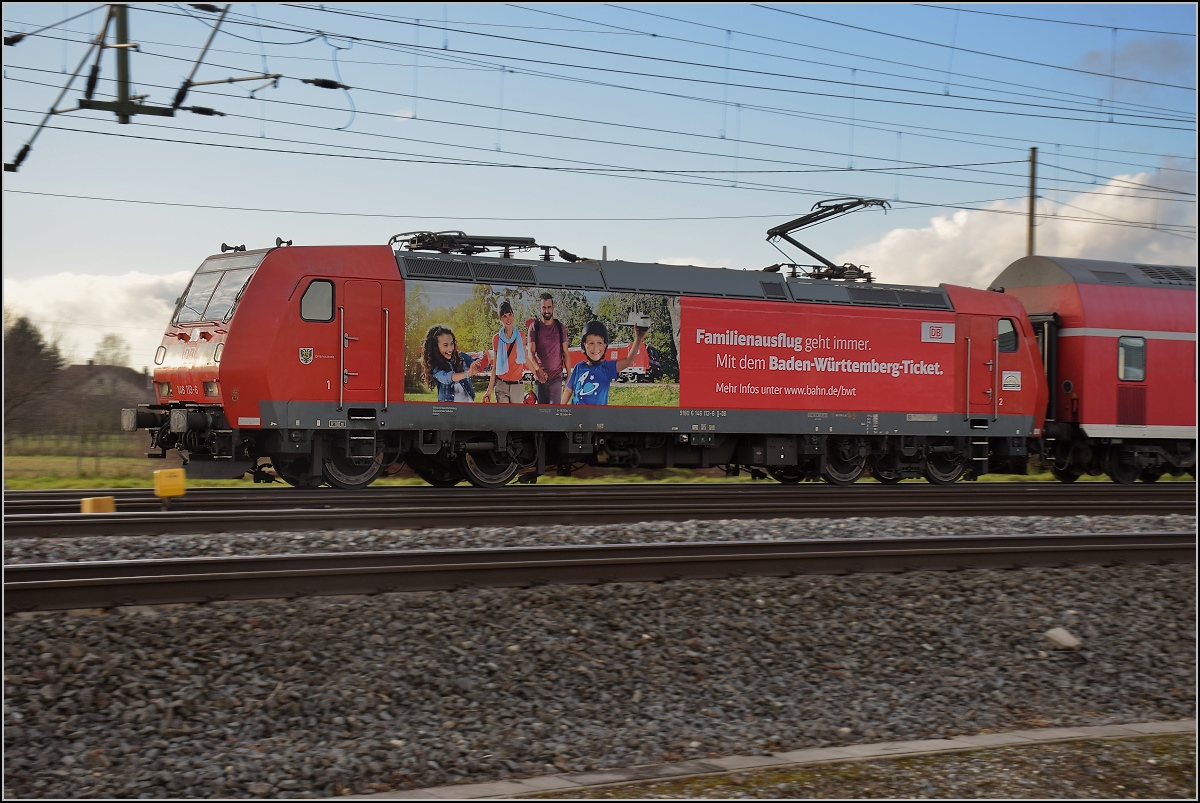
x,y
337,364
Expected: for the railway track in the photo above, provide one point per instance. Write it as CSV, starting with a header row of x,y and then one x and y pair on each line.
x,y
45,514
58,586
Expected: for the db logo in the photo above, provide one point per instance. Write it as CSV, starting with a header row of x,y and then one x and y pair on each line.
x,y
932,332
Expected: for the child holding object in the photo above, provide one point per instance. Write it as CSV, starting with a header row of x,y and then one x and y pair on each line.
x,y
447,369
589,380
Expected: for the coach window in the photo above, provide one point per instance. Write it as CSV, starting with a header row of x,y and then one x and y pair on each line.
x,y
317,302
1131,359
1007,336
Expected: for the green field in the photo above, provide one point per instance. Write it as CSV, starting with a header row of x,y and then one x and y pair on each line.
x,y
48,471
649,395
118,461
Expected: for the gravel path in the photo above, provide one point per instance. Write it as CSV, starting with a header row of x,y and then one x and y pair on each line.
x,y
1153,768
316,697
51,550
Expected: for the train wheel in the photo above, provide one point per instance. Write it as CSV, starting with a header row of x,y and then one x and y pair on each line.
x,y
1120,467
845,463
1067,474
487,469
342,472
438,473
944,468
788,476
297,473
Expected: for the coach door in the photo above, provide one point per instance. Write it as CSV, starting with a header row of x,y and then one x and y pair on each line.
x,y
982,355
361,313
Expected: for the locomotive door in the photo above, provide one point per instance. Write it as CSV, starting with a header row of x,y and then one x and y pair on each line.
x,y
981,367
362,335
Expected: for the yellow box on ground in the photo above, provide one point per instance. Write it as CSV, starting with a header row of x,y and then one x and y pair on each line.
x,y
170,482
98,504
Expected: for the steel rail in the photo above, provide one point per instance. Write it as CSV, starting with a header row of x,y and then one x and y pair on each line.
x,y
68,500
775,500
514,512
59,586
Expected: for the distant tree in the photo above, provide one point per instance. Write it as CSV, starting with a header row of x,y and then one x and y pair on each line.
x,y
112,350
30,367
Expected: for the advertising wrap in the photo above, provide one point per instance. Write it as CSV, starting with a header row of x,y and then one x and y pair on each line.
x,y
767,356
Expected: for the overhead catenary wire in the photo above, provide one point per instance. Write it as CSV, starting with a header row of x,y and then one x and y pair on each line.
x,y
612,169
433,51
1086,110
635,145
638,219
773,110
683,62
977,52
1161,227
855,55
605,168
616,168
10,41
1057,22
865,123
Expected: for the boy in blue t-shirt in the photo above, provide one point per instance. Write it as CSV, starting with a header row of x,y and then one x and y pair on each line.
x,y
589,380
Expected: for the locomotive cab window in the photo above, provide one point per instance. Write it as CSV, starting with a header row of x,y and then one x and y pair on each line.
x,y
213,295
317,302
228,291
1131,359
1007,336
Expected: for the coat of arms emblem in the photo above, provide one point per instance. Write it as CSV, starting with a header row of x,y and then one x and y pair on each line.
x,y
306,356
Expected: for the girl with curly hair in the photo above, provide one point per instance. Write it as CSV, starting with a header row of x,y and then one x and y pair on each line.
x,y
447,369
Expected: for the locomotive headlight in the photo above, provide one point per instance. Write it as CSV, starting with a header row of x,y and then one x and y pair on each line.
x,y
211,388
164,389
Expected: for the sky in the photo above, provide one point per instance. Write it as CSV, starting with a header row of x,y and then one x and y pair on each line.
x,y
674,133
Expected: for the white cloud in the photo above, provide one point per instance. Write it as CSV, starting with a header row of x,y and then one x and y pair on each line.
x,y
82,309
971,247
1155,59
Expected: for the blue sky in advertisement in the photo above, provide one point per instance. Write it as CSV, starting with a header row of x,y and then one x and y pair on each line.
x,y
676,133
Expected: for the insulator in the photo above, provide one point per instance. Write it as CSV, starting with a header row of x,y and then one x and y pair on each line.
x,y
324,83
93,77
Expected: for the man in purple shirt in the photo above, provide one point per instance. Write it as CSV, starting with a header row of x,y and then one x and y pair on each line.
x,y
547,349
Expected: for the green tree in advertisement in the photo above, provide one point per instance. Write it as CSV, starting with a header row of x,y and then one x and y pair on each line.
x,y
614,309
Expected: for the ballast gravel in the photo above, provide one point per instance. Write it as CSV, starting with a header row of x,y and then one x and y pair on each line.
x,y
53,550
322,696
